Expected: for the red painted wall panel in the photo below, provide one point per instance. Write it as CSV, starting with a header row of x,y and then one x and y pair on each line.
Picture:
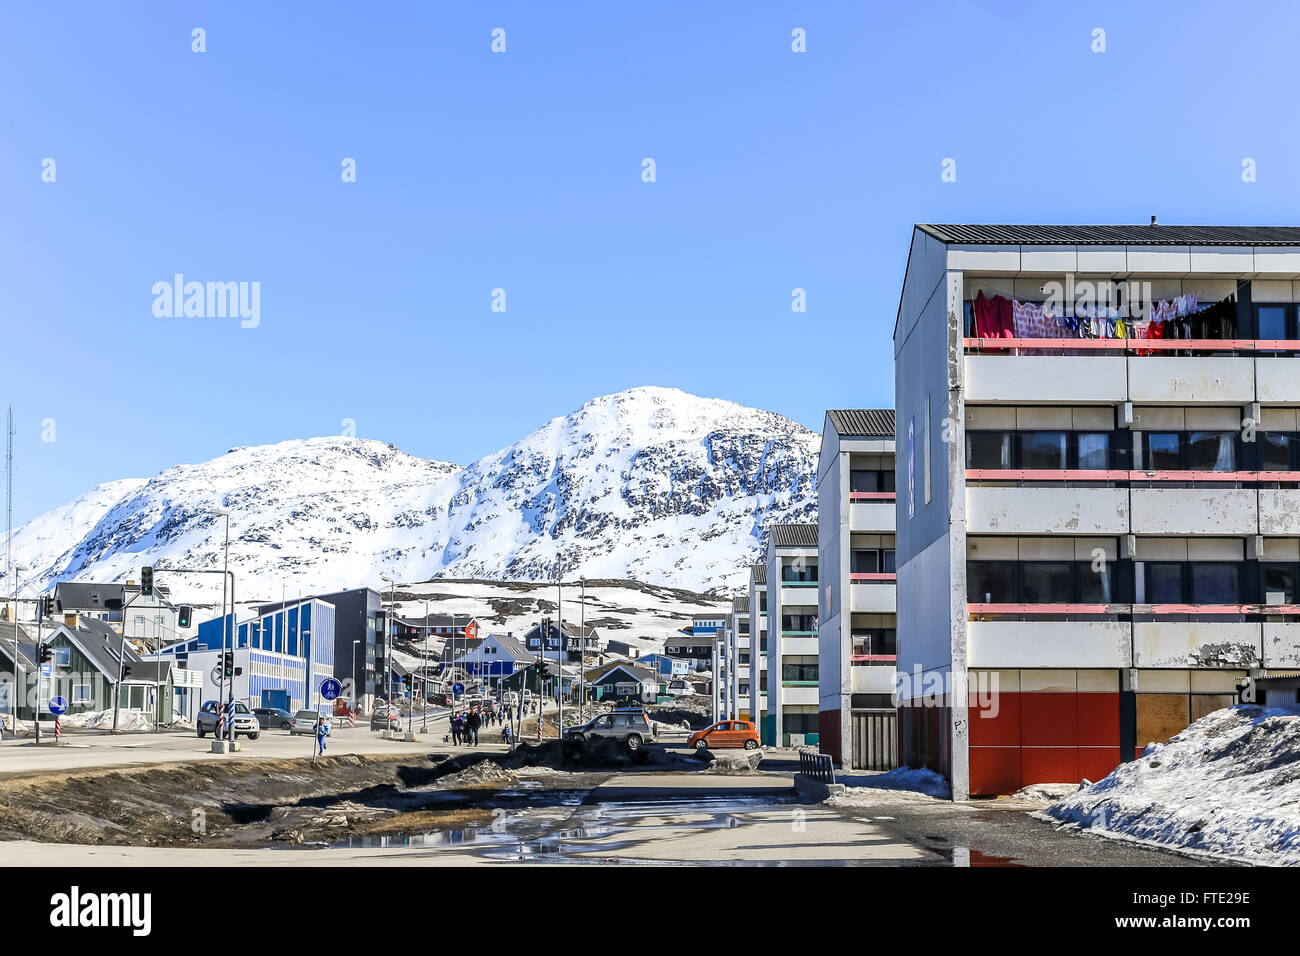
x,y
1049,765
1049,720
828,726
1098,720
994,770
1097,762
995,726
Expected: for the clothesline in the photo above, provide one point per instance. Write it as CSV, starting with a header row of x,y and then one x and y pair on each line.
x,y
1177,318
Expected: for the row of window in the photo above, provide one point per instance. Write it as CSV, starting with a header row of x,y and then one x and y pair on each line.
x,y
1126,582
1202,450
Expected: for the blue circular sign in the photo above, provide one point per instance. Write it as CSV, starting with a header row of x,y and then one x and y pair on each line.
x,y
458,688
330,689
58,706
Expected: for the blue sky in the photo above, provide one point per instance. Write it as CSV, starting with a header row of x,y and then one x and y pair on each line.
x,y
522,171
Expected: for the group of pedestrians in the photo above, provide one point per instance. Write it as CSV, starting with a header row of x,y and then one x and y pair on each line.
x,y
465,725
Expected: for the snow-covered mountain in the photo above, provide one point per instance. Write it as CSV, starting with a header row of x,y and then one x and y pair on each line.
x,y
651,484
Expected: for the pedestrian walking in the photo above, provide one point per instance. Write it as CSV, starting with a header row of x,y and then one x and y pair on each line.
x,y
473,723
456,724
322,731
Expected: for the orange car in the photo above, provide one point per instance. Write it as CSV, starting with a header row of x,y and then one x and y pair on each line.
x,y
725,733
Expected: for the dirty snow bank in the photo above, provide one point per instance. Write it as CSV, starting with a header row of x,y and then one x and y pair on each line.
x,y
1228,786
922,781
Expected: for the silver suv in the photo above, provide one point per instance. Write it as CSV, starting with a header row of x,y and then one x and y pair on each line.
x,y
245,724
628,727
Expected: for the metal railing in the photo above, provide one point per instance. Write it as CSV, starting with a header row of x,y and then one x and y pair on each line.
x,y
817,766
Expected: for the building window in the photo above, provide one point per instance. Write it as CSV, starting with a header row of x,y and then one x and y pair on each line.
x,y
991,582
1093,450
800,673
1214,583
988,450
62,657
1276,451
926,443
802,571
1189,451
874,641
1043,451
871,480
1274,322
1164,583
1279,582
799,623
1045,582
81,694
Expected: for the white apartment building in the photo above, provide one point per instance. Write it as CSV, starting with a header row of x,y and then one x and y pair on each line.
x,y
791,717
745,664
857,622
1098,489
758,642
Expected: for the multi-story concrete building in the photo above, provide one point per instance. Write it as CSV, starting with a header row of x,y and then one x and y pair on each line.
x,y
758,642
1099,499
792,693
744,656
857,622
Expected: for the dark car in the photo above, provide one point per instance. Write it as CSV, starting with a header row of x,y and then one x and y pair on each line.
x,y
273,718
630,727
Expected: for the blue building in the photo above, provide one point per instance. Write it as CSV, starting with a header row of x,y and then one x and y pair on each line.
x,y
282,656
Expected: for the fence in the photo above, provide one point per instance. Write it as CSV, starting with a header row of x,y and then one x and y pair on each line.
x,y
817,766
875,739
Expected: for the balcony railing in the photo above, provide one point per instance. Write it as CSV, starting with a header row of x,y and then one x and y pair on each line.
x,y
873,496
1074,346
865,577
1085,474
873,659
1002,611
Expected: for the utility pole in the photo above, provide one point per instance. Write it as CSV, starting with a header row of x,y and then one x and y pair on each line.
x,y
559,662
582,667
9,559
424,675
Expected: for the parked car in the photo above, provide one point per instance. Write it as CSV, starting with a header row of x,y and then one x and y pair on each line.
x,y
385,718
680,688
629,727
510,697
273,718
304,722
244,724
725,733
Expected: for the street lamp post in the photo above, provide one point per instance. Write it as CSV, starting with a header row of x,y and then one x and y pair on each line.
x,y
355,696
424,671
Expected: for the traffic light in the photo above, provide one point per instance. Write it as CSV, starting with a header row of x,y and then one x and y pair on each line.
x,y
146,580
543,670
228,664
47,654
183,615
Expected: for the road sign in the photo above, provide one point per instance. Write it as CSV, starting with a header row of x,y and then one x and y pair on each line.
x,y
58,706
216,674
47,670
330,689
458,688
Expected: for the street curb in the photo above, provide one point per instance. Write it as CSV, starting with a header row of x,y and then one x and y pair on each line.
x,y
817,789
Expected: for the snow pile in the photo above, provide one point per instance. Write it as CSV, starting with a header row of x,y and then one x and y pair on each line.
x,y
921,781
1228,785
103,720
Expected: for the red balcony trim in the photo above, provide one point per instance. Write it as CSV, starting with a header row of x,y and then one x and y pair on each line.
x,y
873,496
1139,609
883,576
1135,345
879,658
1053,474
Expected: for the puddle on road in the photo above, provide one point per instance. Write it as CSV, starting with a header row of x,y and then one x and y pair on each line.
x,y
565,827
